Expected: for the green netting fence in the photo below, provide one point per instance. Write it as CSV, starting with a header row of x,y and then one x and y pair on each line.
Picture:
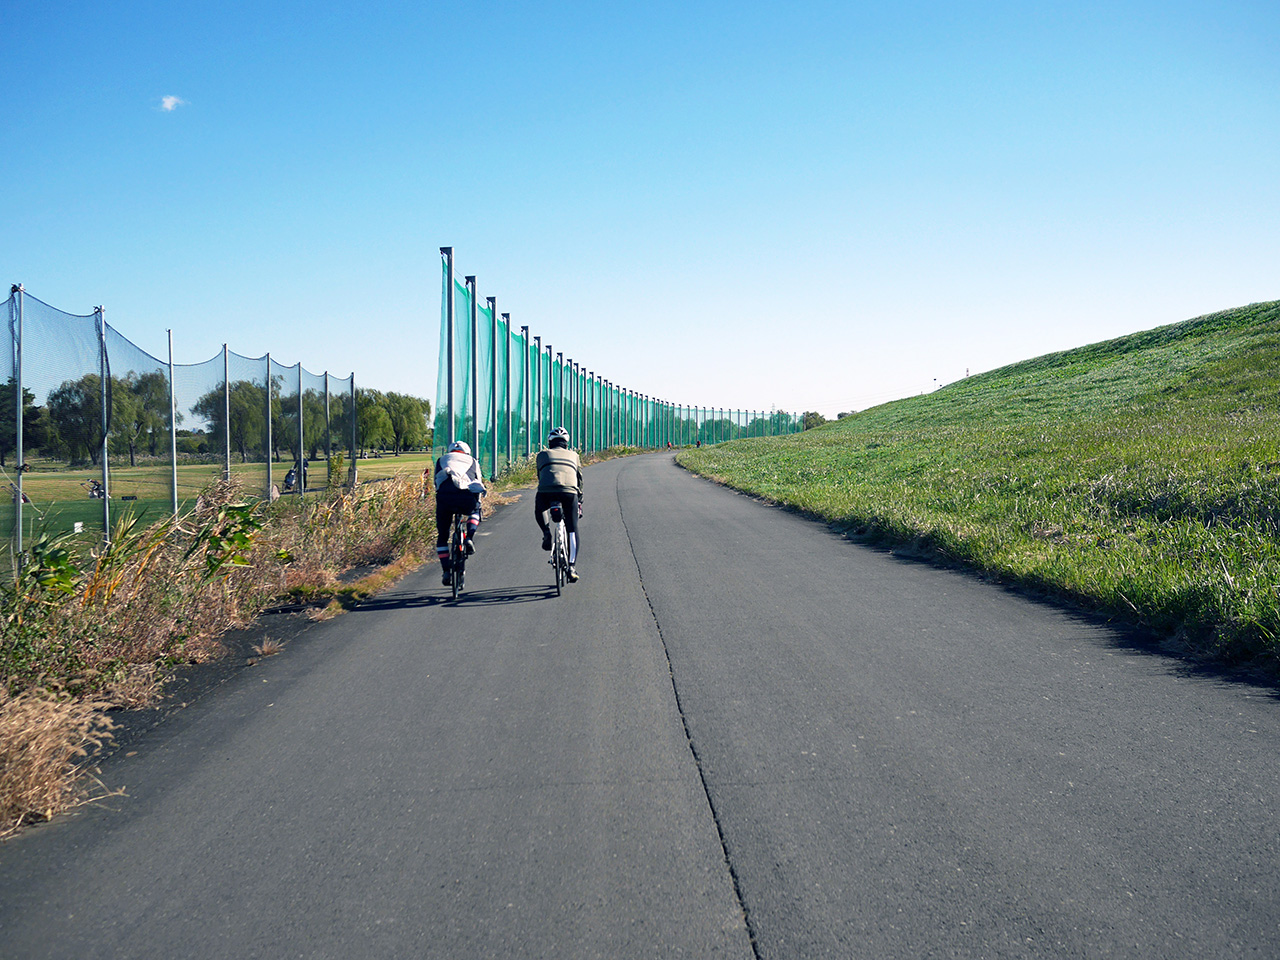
x,y
503,391
91,425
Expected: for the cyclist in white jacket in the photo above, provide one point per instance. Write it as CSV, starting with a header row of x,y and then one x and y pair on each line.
x,y
458,491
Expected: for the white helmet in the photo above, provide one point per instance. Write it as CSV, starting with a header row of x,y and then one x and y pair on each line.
x,y
559,433
459,447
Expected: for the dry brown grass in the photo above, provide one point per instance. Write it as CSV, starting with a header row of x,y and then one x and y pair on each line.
x,y
47,744
152,598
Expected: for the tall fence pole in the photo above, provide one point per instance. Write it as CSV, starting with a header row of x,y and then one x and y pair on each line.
x,y
302,440
569,371
226,414
528,392
475,365
493,384
18,439
354,472
173,427
328,435
100,315
558,380
538,353
269,428
511,453
447,253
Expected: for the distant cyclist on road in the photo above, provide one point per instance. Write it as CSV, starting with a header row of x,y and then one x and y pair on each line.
x,y
559,480
458,492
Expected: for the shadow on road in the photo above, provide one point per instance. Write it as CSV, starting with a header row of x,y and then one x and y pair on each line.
x,y
469,598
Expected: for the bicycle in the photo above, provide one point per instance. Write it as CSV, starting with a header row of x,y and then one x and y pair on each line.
x,y
458,554
559,546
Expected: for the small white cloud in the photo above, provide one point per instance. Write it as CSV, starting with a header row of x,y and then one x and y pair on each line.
x,y
170,104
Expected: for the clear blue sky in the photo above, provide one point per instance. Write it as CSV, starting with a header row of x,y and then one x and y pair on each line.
x,y
806,205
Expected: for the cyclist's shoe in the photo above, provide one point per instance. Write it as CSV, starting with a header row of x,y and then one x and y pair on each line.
x,y
470,546
546,539
573,574
445,579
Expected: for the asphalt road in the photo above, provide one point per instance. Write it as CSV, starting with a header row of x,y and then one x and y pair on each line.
x,y
739,735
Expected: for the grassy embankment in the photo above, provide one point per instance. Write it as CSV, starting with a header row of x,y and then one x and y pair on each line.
x,y
1139,477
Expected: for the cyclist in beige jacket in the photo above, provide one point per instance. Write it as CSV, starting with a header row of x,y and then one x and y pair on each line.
x,y
559,479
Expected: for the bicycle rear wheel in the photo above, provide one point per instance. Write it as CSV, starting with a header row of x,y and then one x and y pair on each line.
x,y
558,558
458,555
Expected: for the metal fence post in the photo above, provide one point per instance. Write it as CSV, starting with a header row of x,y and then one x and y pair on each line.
x,y
447,253
475,366
328,434
511,454
173,428
558,384
226,414
18,439
528,392
269,428
100,316
302,441
538,353
493,384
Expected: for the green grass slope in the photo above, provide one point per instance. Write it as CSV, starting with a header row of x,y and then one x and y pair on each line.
x,y
1140,476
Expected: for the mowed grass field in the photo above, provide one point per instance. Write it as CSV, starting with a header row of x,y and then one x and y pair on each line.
x,y
59,497
1139,477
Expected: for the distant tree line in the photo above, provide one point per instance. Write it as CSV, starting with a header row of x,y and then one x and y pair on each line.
x,y
69,424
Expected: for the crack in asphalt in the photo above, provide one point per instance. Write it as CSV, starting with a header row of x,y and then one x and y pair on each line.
x,y
684,722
